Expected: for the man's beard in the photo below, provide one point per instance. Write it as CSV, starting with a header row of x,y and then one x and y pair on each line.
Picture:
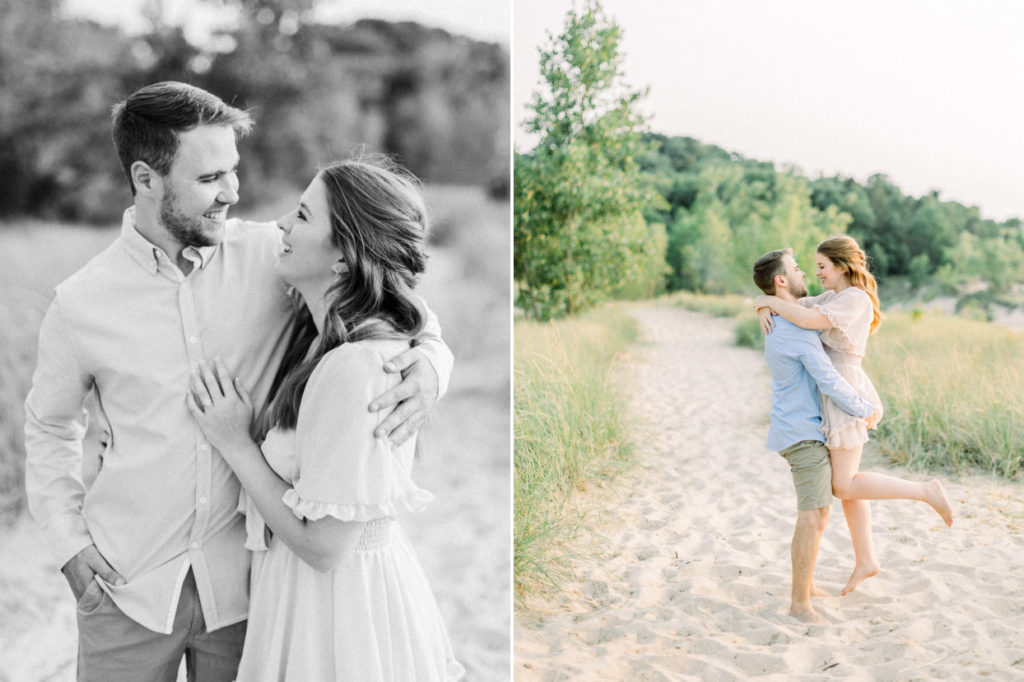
x,y
798,290
186,230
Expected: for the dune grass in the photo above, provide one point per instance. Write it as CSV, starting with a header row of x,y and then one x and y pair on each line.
x,y
731,305
569,429
950,390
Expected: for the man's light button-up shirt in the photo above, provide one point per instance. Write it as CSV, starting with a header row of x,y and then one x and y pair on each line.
x,y
131,326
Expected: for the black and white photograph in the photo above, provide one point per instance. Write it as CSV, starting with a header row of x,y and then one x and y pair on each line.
x,y
255,334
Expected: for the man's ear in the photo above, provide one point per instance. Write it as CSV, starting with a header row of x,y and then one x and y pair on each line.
x,y
780,282
145,179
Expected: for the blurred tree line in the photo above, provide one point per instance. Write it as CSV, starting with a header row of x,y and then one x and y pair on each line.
x,y
439,102
722,211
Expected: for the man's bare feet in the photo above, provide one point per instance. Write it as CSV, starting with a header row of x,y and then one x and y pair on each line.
x,y
938,500
861,572
807,614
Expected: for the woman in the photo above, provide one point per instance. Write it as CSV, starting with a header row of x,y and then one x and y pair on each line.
x,y
846,313
336,593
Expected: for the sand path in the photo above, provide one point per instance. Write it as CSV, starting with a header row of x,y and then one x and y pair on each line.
x,y
690,572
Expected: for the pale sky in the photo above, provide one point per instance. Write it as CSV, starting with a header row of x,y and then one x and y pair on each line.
x,y
481,19
929,92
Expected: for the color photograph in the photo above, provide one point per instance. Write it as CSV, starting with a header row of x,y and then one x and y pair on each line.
x,y
768,270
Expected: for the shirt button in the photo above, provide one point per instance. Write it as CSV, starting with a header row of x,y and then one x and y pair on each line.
x,y
202,500
204,447
192,339
195,545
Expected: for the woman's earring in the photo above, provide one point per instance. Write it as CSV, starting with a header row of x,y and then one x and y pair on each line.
x,y
339,269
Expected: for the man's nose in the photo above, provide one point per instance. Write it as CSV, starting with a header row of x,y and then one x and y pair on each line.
x,y
229,189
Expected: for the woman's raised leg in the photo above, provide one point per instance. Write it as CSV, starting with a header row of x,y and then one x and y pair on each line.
x,y
850,484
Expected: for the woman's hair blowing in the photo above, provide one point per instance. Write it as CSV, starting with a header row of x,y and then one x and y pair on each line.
x,y
846,254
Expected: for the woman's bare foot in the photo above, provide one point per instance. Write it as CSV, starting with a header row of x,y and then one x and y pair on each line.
x,y
938,500
815,592
861,572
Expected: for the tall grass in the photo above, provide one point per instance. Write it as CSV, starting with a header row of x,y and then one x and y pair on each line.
x,y
730,305
950,388
569,429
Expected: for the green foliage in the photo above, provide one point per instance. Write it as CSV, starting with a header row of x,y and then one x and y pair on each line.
x,y
569,431
748,333
734,212
722,211
580,237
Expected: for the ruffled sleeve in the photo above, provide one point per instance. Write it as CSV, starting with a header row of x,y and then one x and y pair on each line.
x,y
850,313
342,470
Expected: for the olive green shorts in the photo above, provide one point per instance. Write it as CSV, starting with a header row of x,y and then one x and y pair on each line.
x,y
812,473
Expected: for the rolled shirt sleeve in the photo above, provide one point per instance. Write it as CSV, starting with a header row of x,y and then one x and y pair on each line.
x,y
55,424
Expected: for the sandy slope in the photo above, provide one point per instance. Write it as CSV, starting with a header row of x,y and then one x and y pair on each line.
x,y
690,573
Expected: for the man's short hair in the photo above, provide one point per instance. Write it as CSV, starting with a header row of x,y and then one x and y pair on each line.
x,y
146,125
767,267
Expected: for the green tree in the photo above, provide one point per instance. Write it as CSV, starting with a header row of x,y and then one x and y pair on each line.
x,y
579,194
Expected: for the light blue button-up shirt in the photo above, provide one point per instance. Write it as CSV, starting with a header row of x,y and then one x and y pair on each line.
x,y
800,368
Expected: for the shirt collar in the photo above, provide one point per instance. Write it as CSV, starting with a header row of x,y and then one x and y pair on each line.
x,y
148,254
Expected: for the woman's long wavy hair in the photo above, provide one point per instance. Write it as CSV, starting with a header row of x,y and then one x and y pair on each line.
x,y
846,254
379,221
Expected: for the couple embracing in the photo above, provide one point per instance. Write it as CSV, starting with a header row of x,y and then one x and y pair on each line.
x,y
241,367
823,404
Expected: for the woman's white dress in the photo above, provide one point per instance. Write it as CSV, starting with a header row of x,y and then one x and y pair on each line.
x,y
850,312
374,617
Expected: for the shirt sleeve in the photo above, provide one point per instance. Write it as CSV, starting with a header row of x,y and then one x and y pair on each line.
x,y
846,313
436,351
342,469
828,379
55,424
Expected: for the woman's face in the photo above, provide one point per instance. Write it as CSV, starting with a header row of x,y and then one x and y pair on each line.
x,y
831,276
307,256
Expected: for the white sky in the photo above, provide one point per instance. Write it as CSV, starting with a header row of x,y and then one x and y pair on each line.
x,y
930,92
481,19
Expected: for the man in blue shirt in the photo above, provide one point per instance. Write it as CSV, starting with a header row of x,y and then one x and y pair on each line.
x,y
800,369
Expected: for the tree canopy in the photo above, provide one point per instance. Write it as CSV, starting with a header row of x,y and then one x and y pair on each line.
x,y
580,236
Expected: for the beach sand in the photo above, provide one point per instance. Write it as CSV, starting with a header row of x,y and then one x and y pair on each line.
x,y
687,575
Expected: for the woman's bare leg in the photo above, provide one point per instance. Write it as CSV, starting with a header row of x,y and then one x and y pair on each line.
x,y
850,484
855,488
858,521
858,518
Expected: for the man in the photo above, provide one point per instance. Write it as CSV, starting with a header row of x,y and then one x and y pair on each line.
x,y
800,368
154,551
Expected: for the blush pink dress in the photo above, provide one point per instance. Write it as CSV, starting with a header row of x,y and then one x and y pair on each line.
x,y
850,312
374,617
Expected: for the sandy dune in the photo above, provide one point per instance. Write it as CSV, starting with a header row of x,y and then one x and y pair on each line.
x,y
689,575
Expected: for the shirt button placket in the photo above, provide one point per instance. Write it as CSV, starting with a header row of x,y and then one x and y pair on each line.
x,y
203,455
